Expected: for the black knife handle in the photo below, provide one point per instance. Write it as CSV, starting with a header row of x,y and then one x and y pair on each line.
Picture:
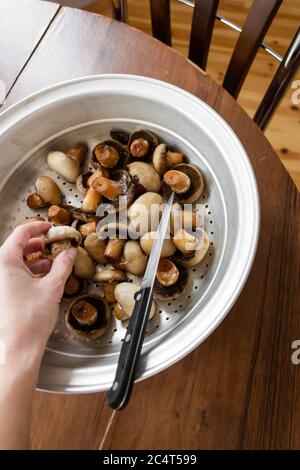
x,y
119,394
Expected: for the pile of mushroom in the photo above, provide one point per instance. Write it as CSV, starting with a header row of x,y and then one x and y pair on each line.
x,y
146,171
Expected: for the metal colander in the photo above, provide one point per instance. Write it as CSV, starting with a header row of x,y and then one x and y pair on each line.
x,y
86,110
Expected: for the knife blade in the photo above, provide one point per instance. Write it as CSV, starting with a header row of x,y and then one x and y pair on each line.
x,y
120,392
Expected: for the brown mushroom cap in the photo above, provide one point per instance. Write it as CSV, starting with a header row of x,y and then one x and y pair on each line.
x,y
145,175
84,266
120,149
147,136
196,186
95,247
163,292
120,135
100,322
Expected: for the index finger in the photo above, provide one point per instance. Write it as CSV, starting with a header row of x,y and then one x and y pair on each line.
x,y
17,241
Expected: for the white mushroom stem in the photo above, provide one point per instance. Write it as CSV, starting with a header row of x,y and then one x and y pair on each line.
x,y
167,272
178,181
91,201
107,188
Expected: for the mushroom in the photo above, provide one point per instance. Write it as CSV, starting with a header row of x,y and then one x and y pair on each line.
x,y
95,247
133,259
120,135
58,215
144,174
124,294
109,154
191,257
88,317
59,238
84,266
185,242
114,250
178,181
78,152
91,201
109,278
171,280
34,201
119,191
47,192
82,182
164,158
147,240
86,229
85,217
73,287
67,165
142,144
196,183
144,213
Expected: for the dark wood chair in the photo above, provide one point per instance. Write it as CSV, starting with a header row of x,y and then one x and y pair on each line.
x,y
259,19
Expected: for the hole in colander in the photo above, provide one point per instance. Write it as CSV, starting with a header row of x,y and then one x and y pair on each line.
x,y
76,195
167,318
160,311
64,183
70,189
210,221
175,311
115,330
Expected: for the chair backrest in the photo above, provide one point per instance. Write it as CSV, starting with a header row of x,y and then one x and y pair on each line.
x,y
258,21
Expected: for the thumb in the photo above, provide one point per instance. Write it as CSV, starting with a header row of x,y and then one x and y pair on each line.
x,y
61,268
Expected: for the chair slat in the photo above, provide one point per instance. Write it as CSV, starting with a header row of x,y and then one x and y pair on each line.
x,y
119,10
201,31
161,20
279,84
258,21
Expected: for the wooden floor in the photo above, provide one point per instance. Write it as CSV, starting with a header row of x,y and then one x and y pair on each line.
x,y
284,129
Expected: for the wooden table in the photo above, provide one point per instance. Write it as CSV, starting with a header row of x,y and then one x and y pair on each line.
x,y
239,389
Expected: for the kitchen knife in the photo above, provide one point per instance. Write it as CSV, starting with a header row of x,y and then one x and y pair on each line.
x,y
119,394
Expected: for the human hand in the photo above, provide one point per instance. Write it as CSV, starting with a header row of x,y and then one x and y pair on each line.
x,y
29,304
